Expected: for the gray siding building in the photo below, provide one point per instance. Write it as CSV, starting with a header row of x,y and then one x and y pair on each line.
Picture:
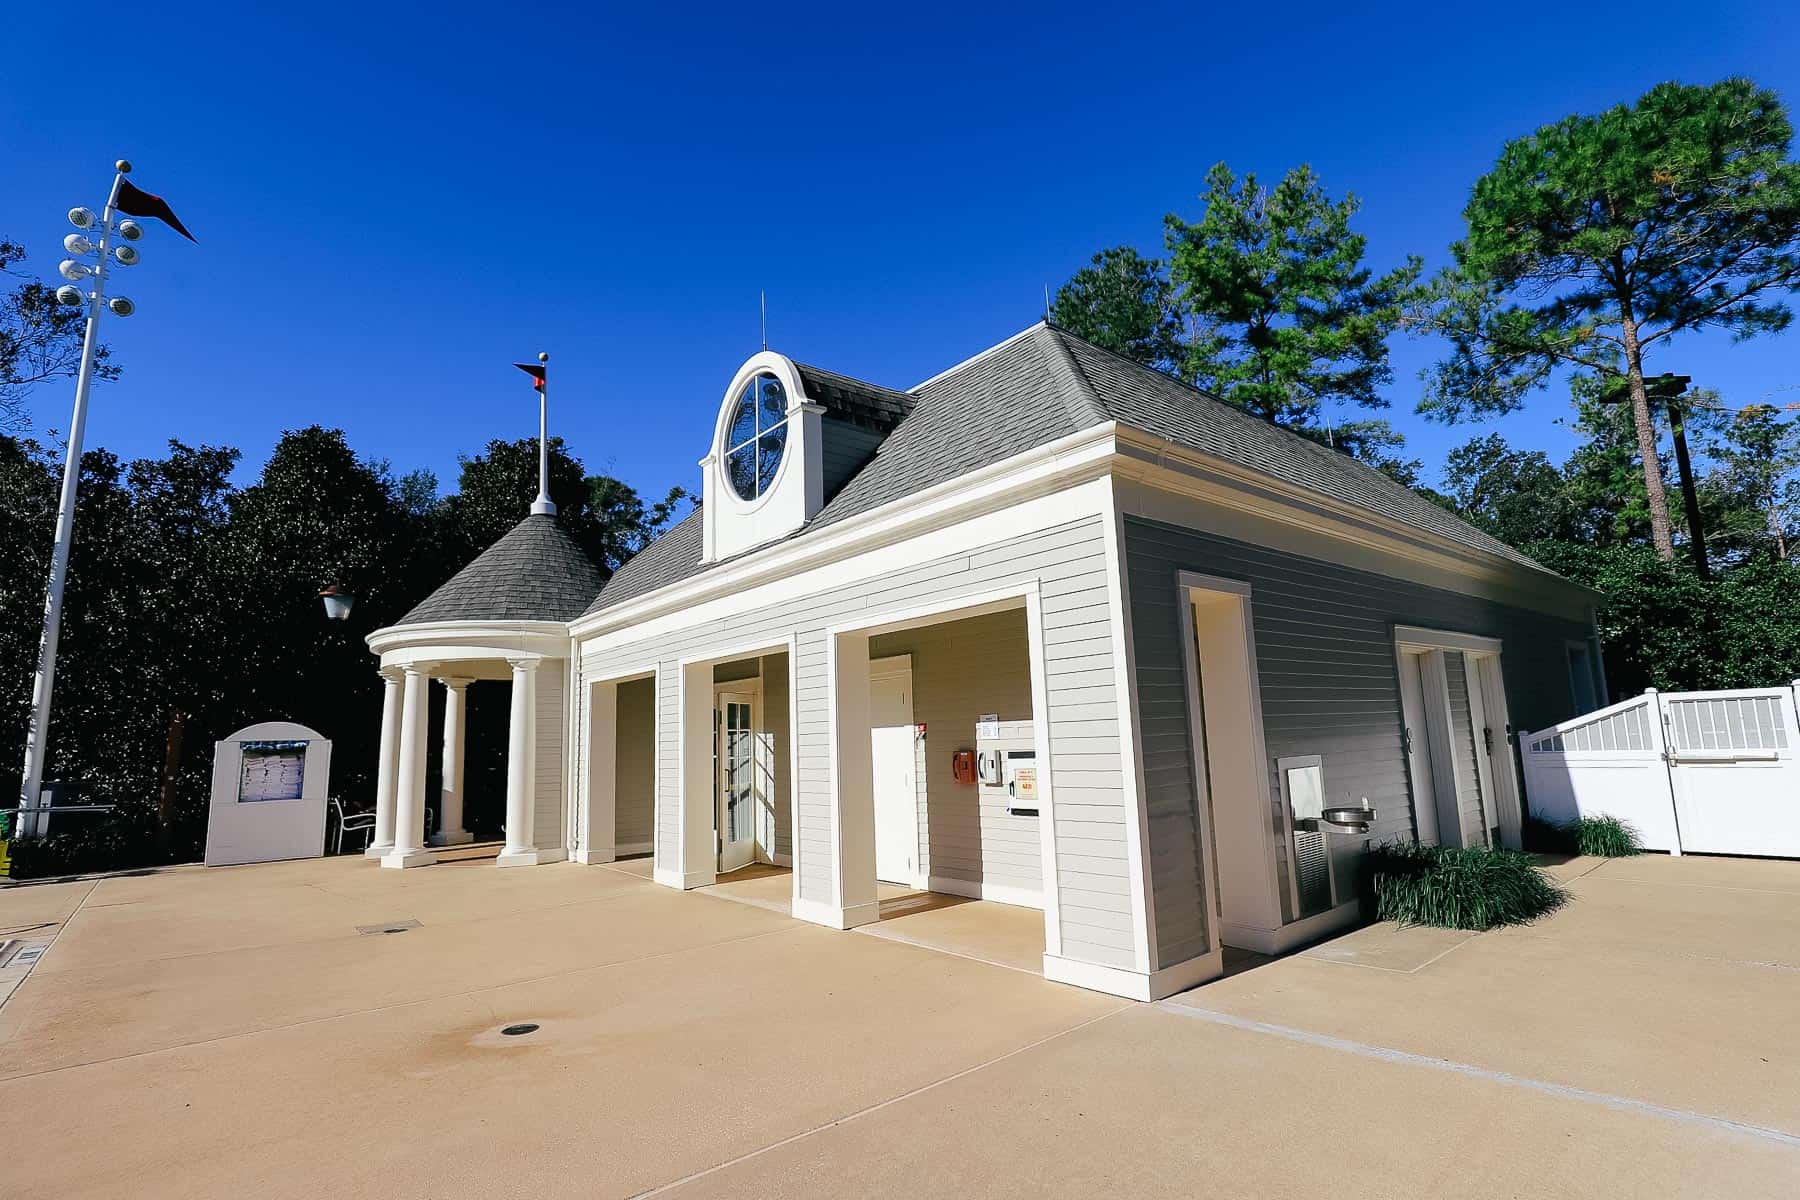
x,y
1048,630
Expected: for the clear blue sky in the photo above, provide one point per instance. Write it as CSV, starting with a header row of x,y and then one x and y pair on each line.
x,y
394,205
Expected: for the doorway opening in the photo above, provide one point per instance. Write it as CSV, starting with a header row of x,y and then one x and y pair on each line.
x,y
750,766
1458,736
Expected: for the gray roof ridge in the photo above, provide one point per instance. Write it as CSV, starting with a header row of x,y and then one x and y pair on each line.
x,y
978,356
1083,403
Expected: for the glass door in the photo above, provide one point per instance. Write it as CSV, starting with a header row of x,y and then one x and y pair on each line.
x,y
737,781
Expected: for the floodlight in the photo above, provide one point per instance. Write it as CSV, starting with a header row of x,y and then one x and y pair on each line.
x,y
82,218
131,231
121,307
76,244
127,255
69,294
72,271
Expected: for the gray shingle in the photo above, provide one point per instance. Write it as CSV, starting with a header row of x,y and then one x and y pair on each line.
x,y
1037,386
535,573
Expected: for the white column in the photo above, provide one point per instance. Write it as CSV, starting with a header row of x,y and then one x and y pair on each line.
x,y
450,800
521,766
693,861
386,764
853,791
409,781
599,775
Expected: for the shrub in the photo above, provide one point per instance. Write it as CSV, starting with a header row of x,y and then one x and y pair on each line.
x,y
1601,837
1605,837
1475,888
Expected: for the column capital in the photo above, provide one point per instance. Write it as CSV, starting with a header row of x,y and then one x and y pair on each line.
x,y
412,669
524,664
390,674
455,683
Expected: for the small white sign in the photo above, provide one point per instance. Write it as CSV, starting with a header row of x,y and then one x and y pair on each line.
x,y
987,725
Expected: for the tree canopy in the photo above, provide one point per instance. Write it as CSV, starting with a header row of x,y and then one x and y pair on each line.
x,y
1597,237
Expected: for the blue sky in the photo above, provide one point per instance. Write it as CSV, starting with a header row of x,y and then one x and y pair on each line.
x,y
395,203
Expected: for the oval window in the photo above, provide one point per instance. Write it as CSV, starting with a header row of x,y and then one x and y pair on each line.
x,y
756,437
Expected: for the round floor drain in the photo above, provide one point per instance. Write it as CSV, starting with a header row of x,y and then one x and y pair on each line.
x,y
519,1030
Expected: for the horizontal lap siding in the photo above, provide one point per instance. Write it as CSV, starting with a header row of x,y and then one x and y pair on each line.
x,y
962,670
1068,561
1329,683
547,816
635,763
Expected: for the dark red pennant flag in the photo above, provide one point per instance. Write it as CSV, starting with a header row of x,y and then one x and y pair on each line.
x,y
536,371
139,203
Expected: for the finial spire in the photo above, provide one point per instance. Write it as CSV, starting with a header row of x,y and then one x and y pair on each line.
x,y
542,504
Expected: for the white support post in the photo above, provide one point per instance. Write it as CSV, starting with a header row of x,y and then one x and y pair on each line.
x,y
853,786
450,799
409,782
599,775
695,862
521,767
387,765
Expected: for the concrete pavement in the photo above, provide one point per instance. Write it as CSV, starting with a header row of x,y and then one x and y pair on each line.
x,y
230,1032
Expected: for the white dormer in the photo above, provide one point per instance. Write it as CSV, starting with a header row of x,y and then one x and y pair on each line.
x,y
764,477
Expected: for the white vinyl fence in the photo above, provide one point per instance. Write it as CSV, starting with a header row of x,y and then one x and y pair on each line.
x,y
1702,772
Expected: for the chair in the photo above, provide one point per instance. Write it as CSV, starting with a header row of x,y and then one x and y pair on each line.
x,y
359,822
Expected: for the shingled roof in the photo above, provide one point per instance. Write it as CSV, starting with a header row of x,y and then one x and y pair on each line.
x,y
1045,383
535,573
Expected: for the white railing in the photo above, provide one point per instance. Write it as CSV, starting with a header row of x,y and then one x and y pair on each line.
x,y
1707,772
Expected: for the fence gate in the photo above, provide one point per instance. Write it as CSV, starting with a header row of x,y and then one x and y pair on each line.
x,y
1733,770
1704,772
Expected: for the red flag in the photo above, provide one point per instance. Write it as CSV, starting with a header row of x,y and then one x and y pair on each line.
x,y
536,371
139,203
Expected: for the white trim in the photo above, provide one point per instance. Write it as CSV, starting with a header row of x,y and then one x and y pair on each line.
x,y
999,893
683,881
835,916
495,639
1417,637
782,369
1262,786
1171,467
1044,471
1297,933
899,666
1051,899
1134,985
1283,765
1137,833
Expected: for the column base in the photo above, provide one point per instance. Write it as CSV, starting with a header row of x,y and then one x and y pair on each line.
x,y
378,850
453,837
1133,985
408,858
593,856
848,917
684,880
519,858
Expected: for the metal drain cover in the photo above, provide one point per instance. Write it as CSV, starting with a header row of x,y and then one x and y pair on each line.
x,y
390,926
520,1029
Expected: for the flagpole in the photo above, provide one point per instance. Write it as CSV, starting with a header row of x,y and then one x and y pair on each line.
x,y
38,732
542,504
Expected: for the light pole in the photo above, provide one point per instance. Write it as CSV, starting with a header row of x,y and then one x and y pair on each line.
x,y
103,253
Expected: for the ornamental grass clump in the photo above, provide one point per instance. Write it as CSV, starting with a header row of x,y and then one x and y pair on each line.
x,y
1475,888
1605,837
1600,837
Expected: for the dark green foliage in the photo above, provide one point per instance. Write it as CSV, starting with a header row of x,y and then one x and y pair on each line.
x,y
1476,888
1598,238
1597,837
187,595
1605,837
39,338
1123,302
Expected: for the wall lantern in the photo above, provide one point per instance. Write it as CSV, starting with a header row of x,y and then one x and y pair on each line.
x,y
337,602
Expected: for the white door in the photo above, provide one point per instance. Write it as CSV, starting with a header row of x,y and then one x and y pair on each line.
x,y
737,781
896,793
1418,746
